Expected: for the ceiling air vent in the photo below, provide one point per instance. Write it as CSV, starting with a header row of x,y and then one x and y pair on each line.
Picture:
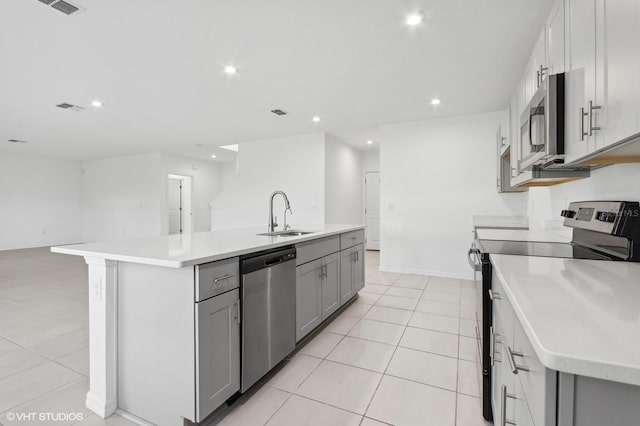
x,y
69,106
278,112
63,6
17,141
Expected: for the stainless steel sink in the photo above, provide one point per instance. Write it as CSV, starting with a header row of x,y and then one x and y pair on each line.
x,y
287,233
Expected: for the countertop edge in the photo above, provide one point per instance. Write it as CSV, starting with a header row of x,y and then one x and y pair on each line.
x,y
566,363
202,259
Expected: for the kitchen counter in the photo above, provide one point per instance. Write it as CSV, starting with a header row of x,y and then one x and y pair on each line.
x,y
555,236
581,316
178,251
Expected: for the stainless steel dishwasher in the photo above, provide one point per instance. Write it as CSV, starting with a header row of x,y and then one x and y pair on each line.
x,y
268,301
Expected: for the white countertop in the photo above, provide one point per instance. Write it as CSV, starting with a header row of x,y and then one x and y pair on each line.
x,y
497,222
177,251
555,236
581,316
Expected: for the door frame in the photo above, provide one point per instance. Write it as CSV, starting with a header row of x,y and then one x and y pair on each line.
x,y
187,206
364,208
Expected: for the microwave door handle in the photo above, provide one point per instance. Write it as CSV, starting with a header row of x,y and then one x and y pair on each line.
x,y
531,114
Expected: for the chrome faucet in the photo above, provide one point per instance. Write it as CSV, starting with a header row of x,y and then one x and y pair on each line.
x,y
273,222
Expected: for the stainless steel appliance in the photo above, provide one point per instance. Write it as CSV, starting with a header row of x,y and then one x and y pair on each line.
x,y
542,125
602,230
268,300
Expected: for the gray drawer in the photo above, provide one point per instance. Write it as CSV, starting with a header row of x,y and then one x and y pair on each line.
x,y
216,277
350,239
315,249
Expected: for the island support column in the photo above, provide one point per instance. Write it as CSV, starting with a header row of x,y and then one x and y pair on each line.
x,y
102,397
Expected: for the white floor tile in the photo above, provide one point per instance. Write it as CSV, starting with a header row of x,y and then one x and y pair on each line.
x,y
467,327
294,373
468,349
362,353
356,310
424,367
299,411
375,288
342,324
418,285
397,302
469,411
370,422
438,308
411,293
401,402
257,409
77,361
468,312
449,285
414,277
17,361
7,346
392,315
368,298
33,383
468,378
428,321
430,341
321,344
113,420
440,296
342,386
377,331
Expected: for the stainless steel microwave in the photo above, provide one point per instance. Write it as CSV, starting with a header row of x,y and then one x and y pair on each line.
x,y
542,125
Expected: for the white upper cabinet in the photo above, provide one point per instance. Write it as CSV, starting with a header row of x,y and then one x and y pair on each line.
x,y
580,79
538,63
555,40
618,70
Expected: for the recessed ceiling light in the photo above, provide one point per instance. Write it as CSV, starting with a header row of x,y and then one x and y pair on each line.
x,y
213,156
96,103
230,70
316,119
199,145
435,101
414,19
233,147
369,142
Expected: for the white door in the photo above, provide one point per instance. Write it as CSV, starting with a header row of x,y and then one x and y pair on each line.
x,y
174,205
372,209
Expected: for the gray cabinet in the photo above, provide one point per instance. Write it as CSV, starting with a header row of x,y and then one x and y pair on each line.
x,y
330,285
351,272
217,351
308,297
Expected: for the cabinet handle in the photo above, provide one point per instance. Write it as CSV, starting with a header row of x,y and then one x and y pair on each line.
x,y
592,107
493,296
323,271
222,278
236,312
582,116
512,362
505,395
541,72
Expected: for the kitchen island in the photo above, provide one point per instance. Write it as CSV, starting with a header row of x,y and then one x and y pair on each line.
x,y
146,340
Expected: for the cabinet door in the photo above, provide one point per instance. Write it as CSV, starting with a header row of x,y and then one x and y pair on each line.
x,y
514,139
618,58
308,297
580,76
555,39
217,351
330,285
538,62
358,269
347,258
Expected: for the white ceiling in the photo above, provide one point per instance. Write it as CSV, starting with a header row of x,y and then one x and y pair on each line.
x,y
157,67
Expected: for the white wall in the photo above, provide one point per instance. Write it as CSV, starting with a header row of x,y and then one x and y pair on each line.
x,y
206,185
616,182
40,201
293,164
371,161
123,197
343,182
436,175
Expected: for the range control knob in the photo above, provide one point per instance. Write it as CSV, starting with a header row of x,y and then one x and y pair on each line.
x,y
608,217
568,213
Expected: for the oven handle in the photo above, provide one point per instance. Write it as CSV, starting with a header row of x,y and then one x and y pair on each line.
x,y
476,266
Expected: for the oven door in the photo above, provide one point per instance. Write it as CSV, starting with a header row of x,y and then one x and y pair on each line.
x,y
533,130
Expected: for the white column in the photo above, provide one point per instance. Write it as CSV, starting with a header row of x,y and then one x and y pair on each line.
x,y
102,398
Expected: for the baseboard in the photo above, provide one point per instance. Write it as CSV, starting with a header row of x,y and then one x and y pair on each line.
x,y
102,408
384,268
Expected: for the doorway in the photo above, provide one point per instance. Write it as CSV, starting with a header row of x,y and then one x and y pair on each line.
x,y
179,204
372,209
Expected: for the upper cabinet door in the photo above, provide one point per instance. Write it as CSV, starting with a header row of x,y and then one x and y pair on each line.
x,y
538,63
580,76
555,39
618,59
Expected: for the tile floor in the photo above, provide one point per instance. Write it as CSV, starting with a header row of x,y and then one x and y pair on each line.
x,y
402,354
